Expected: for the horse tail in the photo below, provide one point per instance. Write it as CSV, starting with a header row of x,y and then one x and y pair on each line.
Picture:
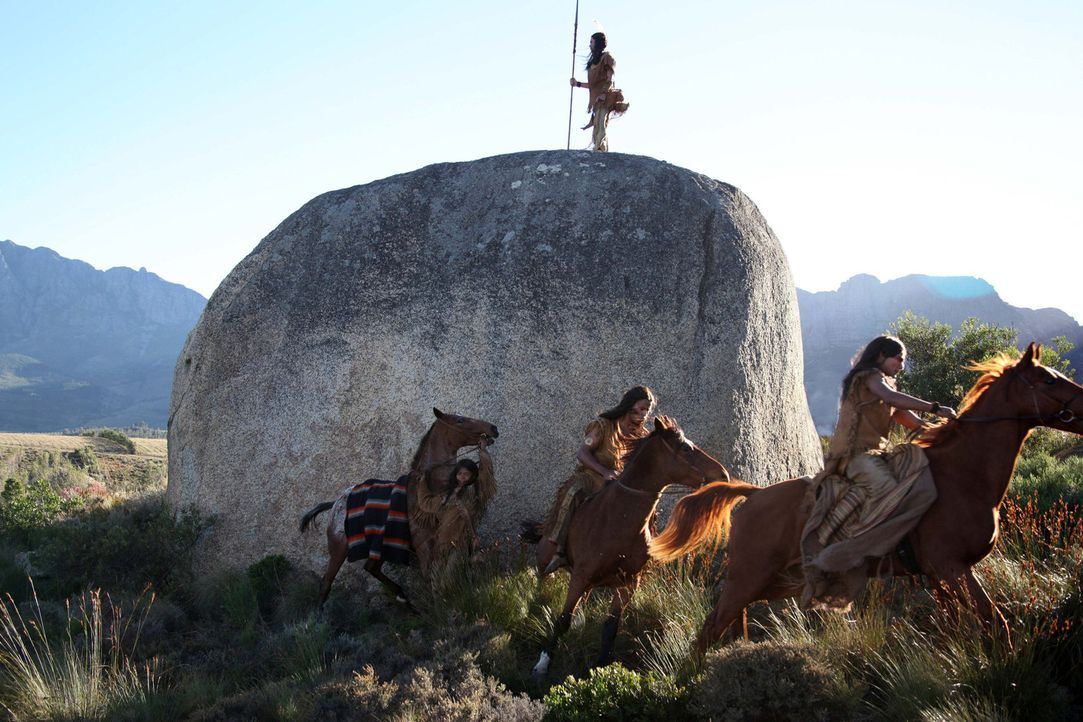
x,y
530,531
313,513
699,516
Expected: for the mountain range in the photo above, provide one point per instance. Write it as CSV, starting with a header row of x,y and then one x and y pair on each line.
x,y
835,325
81,347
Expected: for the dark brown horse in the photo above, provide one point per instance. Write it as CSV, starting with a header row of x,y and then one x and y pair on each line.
x,y
609,534
971,459
433,460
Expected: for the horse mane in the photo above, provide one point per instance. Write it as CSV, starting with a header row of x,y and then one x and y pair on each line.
x,y
417,454
991,370
640,443
627,458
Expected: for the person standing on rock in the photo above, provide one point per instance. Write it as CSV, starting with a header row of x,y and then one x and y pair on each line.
x,y
606,441
604,98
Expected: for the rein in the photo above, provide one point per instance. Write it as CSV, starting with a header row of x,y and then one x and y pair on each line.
x,y
663,490
1065,415
450,459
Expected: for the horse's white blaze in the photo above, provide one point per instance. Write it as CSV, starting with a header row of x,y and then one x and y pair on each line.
x,y
542,667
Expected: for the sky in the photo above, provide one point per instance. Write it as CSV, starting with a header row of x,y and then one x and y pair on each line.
x,y
887,138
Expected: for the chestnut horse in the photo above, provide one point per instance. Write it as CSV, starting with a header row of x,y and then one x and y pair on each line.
x,y
438,450
971,459
609,533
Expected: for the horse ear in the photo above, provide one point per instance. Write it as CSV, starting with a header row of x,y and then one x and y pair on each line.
x,y
1031,355
437,413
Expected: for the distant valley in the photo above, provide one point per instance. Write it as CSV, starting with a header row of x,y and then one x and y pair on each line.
x,y
81,347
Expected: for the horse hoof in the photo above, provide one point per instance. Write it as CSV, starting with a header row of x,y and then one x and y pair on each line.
x,y
542,667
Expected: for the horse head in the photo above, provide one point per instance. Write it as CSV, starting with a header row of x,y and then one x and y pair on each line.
x,y
1045,395
464,430
696,467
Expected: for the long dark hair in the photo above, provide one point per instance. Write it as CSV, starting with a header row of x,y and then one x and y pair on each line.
x,y
599,48
453,481
631,397
874,353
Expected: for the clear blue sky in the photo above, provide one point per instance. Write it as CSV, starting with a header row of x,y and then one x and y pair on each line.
x,y
878,137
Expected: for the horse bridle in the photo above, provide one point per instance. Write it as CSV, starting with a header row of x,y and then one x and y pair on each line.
x,y
641,492
1065,415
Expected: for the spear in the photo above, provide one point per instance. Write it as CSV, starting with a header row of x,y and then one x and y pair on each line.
x,y
571,91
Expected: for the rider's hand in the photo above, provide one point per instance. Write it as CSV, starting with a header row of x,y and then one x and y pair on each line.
x,y
573,82
947,412
609,475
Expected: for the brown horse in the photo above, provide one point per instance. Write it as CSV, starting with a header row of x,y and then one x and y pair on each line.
x,y
971,459
438,450
609,534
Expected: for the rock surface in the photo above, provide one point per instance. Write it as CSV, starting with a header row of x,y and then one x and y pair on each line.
x,y
530,290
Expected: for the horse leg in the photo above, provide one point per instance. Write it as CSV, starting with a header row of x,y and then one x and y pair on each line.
x,y
747,581
965,585
337,549
544,554
621,597
576,588
373,567
739,629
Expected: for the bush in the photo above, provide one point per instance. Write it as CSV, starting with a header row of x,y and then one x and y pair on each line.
x,y
117,437
768,681
1048,480
26,510
450,686
85,459
615,693
125,547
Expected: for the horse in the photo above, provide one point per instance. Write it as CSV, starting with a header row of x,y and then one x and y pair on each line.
x,y
609,534
971,459
438,450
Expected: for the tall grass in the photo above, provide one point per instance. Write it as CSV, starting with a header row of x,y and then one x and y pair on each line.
x,y
84,674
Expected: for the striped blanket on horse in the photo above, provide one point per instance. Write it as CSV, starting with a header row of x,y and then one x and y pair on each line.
x,y
377,526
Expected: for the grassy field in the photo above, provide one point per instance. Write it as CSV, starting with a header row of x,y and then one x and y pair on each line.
x,y
119,624
153,448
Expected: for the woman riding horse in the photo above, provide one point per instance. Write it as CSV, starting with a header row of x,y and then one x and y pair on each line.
x,y
971,460
606,440
869,407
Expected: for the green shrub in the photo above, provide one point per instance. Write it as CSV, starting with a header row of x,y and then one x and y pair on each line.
x,y
122,547
1048,479
615,693
86,459
117,437
266,578
26,510
769,681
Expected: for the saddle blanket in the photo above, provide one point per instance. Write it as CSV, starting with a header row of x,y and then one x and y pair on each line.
x,y
377,526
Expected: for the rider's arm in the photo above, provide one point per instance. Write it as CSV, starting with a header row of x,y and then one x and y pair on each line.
x,y
908,419
585,455
878,386
485,462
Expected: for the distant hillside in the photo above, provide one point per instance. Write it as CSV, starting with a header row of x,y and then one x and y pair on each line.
x,y
835,324
82,347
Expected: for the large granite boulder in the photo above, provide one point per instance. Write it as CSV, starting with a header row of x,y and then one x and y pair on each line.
x,y
530,290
